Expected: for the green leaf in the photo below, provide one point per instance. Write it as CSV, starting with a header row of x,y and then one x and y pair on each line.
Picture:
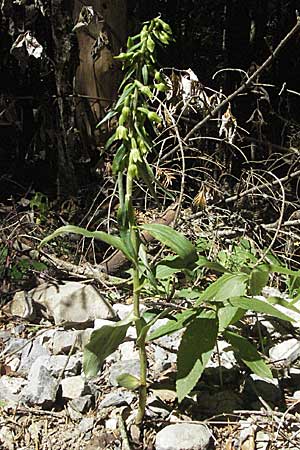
x,y
248,354
37,265
168,266
228,316
174,240
103,342
179,321
204,262
109,239
228,285
107,117
143,333
145,172
119,160
284,270
144,259
258,279
126,91
195,349
128,381
282,302
262,306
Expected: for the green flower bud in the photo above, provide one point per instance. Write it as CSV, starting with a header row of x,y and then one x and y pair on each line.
x,y
125,112
153,117
161,87
122,133
132,170
135,155
157,76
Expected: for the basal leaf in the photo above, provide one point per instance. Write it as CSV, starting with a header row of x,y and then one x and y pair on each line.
x,y
262,306
228,285
109,239
258,279
195,349
174,240
248,353
103,342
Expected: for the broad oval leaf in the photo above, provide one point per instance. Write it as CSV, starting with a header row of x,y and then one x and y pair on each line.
x,y
228,316
227,286
104,342
258,279
195,349
248,354
257,305
114,241
174,240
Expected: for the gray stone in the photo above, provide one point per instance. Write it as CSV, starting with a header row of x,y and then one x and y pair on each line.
x,y
84,337
7,395
31,353
128,351
223,356
81,404
22,305
99,323
63,341
131,366
72,304
73,413
13,363
162,359
56,363
15,345
117,398
19,329
45,338
5,336
123,311
170,342
73,387
273,292
86,424
41,388
286,352
14,384
183,436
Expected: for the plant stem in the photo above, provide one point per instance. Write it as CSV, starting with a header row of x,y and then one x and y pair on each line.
x,y
134,234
